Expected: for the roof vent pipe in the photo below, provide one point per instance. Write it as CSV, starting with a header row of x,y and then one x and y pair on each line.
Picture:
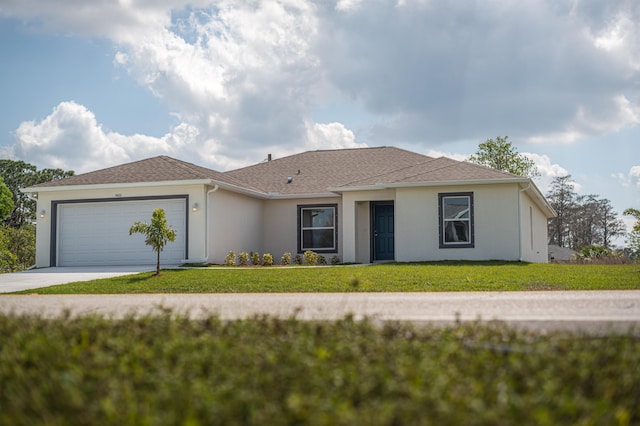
x,y
268,157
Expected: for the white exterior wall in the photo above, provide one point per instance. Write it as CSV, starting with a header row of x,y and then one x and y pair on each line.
x,y
508,225
196,219
280,228
495,224
236,223
534,233
356,220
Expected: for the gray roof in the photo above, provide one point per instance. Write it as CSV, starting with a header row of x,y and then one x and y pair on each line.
x,y
156,169
435,170
312,172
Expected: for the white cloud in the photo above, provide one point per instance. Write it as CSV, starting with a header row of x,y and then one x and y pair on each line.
x,y
330,136
244,76
548,171
101,18
630,179
449,71
348,5
613,115
71,138
242,72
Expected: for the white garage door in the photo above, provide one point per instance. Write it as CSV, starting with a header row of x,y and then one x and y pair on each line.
x,y
98,233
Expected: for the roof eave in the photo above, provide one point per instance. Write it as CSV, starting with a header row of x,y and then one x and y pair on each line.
x,y
390,185
456,182
240,189
539,199
278,196
57,188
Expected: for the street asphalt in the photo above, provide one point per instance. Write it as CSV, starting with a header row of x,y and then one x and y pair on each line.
x,y
576,310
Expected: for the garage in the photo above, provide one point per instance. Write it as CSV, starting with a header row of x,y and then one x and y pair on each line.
x,y
97,232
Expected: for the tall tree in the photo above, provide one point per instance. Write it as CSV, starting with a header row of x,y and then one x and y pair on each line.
x,y
633,238
562,197
158,233
18,175
610,224
583,225
582,220
500,154
6,200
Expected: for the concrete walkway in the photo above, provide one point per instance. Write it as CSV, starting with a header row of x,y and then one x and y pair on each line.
x,y
45,277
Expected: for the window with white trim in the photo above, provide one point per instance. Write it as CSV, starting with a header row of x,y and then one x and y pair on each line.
x,y
317,228
456,220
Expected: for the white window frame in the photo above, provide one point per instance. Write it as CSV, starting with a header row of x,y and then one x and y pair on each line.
x,y
302,228
444,220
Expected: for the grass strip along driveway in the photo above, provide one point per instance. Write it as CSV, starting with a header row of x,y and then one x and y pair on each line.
x,y
409,277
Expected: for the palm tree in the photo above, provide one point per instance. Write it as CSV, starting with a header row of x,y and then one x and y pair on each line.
x,y
158,233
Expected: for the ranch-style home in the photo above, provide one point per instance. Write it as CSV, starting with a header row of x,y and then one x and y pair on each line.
x,y
362,205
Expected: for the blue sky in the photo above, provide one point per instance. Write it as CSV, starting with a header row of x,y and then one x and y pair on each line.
x,y
224,83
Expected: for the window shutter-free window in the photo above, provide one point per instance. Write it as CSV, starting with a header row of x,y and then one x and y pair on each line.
x,y
317,228
456,220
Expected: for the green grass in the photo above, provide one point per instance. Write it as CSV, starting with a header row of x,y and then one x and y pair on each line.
x,y
167,370
439,276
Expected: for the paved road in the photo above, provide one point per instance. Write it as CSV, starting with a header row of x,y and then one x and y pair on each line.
x,y
581,310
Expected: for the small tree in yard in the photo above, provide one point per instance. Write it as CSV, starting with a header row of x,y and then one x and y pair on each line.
x,y
158,233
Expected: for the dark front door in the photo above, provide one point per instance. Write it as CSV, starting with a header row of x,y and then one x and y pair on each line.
x,y
382,230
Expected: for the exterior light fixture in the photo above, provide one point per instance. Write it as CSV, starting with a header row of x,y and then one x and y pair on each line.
x,y
195,207
43,213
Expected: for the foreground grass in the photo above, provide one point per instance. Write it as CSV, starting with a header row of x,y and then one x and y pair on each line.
x,y
440,276
166,370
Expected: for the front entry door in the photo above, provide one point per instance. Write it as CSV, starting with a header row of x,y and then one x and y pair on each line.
x,y
382,231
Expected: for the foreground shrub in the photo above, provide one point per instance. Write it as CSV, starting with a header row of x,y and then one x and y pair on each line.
x,y
267,259
596,254
243,259
230,258
170,370
310,257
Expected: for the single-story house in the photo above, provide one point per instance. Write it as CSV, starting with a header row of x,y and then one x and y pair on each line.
x,y
362,205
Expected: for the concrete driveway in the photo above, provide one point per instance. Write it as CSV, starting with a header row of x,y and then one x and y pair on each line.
x,y
45,277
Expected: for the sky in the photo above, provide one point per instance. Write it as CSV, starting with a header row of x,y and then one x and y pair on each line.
x,y
222,84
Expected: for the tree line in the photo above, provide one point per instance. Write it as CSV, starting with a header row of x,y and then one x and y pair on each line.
x,y
582,220
18,212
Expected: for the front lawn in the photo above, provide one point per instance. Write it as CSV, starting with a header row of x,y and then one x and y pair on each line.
x,y
409,277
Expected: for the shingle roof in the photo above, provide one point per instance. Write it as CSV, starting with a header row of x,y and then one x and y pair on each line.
x,y
436,170
312,172
156,169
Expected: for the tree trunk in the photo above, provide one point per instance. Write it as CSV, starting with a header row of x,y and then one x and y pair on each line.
x,y
158,264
